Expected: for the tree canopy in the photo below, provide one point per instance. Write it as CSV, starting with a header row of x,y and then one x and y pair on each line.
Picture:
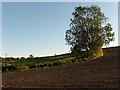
x,y
31,56
89,30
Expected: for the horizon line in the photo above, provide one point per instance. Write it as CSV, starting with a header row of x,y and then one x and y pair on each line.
x,y
51,54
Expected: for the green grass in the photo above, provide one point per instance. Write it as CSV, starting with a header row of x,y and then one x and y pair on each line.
x,y
42,63
38,60
49,61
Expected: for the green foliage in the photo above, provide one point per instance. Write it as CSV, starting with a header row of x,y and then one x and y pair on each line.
x,y
89,31
36,60
32,66
50,62
50,65
31,56
9,68
22,68
40,66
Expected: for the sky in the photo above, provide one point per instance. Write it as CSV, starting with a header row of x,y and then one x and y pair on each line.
x,y
60,0
0,28
119,24
38,28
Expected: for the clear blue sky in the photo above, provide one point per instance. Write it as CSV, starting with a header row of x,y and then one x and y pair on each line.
x,y
39,28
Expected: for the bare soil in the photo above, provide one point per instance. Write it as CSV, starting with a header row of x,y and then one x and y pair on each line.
x,y
99,73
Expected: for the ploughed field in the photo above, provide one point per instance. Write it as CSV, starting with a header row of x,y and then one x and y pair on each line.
x,y
99,73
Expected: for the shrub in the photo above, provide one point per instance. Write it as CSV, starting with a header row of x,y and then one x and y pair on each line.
x,y
4,69
33,66
17,58
22,68
40,66
37,57
55,64
31,56
45,64
50,65
84,59
73,60
59,63
79,59
8,64
22,58
9,68
67,62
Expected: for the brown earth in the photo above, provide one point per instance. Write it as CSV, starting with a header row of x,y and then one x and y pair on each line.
x,y
99,73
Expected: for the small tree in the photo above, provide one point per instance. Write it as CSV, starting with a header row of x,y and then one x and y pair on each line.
x,y
31,56
89,31
22,58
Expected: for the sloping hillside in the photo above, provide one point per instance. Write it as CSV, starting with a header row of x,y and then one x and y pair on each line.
x,y
99,73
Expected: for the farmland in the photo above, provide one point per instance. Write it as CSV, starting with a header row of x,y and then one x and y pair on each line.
x,y
11,64
26,64
99,73
35,62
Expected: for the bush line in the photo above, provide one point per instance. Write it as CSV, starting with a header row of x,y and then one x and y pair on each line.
x,y
13,68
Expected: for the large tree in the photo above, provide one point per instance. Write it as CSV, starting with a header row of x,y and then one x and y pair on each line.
x,y
89,31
